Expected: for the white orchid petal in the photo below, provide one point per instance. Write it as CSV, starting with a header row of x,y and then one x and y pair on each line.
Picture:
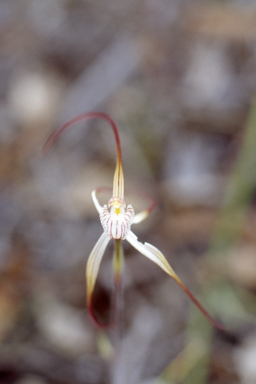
x,y
96,202
94,261
139,217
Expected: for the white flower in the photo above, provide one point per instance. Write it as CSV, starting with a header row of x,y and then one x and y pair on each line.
x,y
117,221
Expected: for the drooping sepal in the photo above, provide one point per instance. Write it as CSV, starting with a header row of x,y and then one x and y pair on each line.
x,y
92,269
158,258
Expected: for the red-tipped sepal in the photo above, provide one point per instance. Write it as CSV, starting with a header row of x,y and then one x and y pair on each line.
x,y
157,257
118,183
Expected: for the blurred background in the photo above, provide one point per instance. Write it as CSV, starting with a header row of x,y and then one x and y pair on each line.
x,y
179,79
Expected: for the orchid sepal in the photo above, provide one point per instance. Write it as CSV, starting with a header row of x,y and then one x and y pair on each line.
x,y
93,264
158,258
96,201
118,182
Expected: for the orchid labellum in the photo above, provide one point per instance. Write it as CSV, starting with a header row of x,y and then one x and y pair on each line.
x,y
117,219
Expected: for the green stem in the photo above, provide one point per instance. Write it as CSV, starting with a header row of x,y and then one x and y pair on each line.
x,y
117,331
118,260
118,266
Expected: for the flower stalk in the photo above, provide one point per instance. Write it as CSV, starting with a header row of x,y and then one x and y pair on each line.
x,y
118,261
118,268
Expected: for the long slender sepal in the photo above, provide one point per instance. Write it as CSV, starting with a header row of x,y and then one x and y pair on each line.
x,y
157,257
92,270
118,183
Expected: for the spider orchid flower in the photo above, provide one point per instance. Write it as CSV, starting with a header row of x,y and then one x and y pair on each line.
x,y
117,219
